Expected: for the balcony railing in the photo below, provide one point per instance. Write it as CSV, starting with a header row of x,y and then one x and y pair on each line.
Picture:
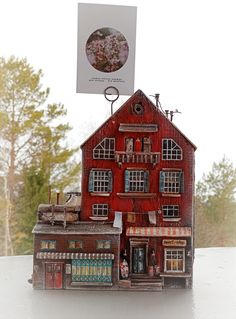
x,y
137,157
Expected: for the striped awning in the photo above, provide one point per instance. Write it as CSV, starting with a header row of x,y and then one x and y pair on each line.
x,y
159,231
57,255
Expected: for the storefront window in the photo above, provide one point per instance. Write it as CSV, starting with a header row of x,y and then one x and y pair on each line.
x,y
174,260
92,270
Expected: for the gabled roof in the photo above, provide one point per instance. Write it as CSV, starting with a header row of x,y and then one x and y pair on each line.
x,y
143,97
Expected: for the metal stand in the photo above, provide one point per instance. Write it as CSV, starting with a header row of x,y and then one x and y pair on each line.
x,y
111,90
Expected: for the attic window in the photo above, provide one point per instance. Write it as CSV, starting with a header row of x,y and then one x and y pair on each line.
x,y
138,109
171,150
105,149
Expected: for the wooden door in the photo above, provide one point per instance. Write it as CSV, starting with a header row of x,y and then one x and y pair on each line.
x,y
139,260
53,275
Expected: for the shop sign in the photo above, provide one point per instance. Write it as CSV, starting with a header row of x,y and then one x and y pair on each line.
x,y
174,242
159,231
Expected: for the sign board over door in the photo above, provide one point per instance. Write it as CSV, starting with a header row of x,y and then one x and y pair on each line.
x,y
106,48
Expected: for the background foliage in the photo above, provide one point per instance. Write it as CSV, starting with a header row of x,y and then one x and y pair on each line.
x,y
34,152
215,206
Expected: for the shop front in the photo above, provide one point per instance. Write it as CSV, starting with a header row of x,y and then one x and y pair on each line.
x,y
161,252
85,257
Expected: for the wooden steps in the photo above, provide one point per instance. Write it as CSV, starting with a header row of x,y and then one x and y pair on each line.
x,y
147,283
142,283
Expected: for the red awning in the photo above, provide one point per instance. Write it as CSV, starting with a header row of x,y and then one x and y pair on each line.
x,y
159,231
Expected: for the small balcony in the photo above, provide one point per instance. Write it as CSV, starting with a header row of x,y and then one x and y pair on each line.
x,y
137,157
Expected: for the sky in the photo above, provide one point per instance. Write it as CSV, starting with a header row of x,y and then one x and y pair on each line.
x,y
185,51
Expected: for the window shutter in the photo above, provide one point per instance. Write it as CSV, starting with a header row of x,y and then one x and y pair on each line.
x,y
146,181
161,181
126,181
90,183
110,179
181,180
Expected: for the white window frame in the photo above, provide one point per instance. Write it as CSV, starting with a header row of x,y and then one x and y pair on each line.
x,y
100,210
172,182
170,211
105,149
170,254
136,180
171,151
100,181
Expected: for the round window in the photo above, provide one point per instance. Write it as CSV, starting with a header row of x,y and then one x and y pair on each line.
x,y
138,109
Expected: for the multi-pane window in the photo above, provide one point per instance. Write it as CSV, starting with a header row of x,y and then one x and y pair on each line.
x,y
174,260
92,270
170,211
48,244
171,150
100,210
75,244
100,181
103,244
171,182
136,181
105,149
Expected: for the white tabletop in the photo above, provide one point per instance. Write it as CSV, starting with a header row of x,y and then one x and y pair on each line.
x,y
213,295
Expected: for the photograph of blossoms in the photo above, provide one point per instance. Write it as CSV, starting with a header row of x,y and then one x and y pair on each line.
x,y
107,50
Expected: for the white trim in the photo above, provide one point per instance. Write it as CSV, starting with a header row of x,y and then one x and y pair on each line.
x,y
165,260
172,152
105,149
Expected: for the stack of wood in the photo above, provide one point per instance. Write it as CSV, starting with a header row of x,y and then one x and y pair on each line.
x,y
56,213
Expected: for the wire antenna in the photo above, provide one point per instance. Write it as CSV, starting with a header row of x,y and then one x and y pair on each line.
x,y
170,114
158,103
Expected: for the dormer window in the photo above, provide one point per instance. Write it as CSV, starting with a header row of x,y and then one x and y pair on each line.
x,y
105,149
171,150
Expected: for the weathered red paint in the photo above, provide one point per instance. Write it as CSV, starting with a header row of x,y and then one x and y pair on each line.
x,y
166,129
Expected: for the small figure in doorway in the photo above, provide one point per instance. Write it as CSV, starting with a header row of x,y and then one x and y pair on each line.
x,y
124,267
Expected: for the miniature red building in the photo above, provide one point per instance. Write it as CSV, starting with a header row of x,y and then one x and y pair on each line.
x,y
134,226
